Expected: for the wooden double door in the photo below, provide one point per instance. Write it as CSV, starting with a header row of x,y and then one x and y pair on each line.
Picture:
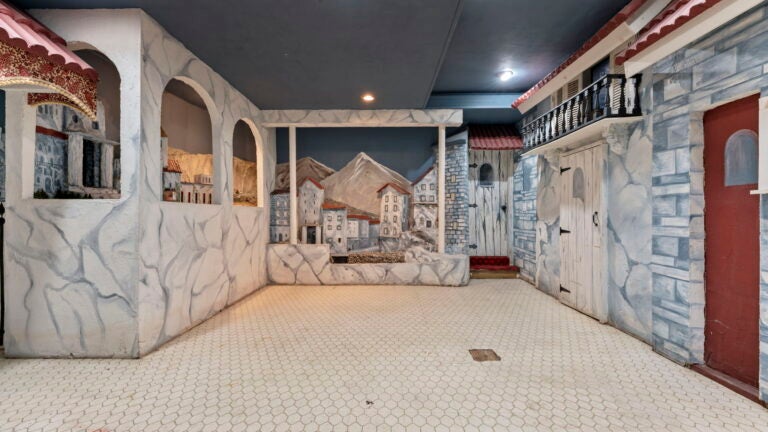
x,y
581,218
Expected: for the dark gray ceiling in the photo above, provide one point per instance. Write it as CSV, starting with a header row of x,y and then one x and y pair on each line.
x,y
326,53
530,37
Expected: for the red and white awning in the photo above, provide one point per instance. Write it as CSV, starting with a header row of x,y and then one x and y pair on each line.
x,y
31,55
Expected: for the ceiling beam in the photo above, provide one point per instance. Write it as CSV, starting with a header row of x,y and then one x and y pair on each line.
x,y
472,100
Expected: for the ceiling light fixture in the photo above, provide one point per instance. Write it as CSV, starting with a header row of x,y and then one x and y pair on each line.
x,y
505,75
368,97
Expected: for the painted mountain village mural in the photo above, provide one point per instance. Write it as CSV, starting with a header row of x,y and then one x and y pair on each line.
x,y
363,207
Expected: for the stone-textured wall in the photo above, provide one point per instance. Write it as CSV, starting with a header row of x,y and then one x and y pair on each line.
x,y
194,259
548,225
725,65
50,163
311,265
627,183
117,278
456,194
524,215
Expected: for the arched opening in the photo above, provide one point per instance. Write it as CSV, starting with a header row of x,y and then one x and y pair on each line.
x,y
741,158
486,175
75,157
246,171
187,145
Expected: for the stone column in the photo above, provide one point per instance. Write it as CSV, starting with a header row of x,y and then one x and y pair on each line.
x,y
107,156
75,160
441,190
292,190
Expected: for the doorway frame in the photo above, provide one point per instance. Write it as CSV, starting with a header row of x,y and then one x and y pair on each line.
x,y
602,309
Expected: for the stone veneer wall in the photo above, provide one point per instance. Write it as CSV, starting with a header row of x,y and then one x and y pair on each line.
x,y
524,215
725,65
457,194
50,163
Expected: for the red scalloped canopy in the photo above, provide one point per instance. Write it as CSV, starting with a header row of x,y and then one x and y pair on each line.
x,y
31,54
22,31
674,16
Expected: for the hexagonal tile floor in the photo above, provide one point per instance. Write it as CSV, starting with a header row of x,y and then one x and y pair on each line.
x,y
379,358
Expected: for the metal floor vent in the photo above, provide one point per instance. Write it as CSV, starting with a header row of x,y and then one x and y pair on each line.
x,y
484,355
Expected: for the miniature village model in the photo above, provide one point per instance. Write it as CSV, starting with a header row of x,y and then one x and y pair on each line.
x,y
364,207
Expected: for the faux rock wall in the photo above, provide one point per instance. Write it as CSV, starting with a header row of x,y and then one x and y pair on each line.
x,y
311,265
548,225
71,266
117,278
195,259
627,183
524,215
457,195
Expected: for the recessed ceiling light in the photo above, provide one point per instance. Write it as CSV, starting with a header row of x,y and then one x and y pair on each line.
x,y
368,97
505,75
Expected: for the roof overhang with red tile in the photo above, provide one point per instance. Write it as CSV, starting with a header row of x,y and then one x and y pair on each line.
x,y
674,16
33,56
494,137
620,18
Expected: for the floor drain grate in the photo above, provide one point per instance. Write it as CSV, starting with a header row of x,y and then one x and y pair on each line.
x,y
483,355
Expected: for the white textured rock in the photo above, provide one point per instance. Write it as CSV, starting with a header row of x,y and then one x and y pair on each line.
x,y
311,265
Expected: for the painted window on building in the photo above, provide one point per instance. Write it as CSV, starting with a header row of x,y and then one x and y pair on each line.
x,y
486,175
741,158
578,184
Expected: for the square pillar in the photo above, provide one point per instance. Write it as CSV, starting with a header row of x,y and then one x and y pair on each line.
x,y
75,160
107,156
441,190
292,190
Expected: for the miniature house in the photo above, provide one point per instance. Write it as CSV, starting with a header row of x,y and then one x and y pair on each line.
x,y
394,210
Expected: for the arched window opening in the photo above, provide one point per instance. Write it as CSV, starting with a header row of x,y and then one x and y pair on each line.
x,y
486,175
186,145
76,157
246,175
741,158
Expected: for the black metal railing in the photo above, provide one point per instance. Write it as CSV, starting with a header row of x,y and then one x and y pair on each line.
x,y
611,96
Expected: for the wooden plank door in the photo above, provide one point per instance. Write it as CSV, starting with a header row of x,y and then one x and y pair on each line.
x,y
581,239
732,248
488,201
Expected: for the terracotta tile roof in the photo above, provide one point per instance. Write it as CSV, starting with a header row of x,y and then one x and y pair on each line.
x,y
374,222
395,187
333,205
674,16
173,166
317,183
358,216
280,192
424,174
604,31
22,31
494,137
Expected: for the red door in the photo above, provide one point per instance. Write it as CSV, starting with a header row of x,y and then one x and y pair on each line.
x,y
732,224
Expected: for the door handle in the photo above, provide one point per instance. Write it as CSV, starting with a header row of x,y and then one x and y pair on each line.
x,y
595,219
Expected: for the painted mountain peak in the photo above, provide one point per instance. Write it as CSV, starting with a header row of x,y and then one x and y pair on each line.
x,y
358,182
305,167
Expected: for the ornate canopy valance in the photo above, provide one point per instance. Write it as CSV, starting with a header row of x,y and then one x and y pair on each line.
x,y
31,55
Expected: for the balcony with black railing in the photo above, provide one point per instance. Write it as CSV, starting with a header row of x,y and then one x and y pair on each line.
x,y
611,97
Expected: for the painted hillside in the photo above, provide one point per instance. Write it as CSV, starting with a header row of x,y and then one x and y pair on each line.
x,y
305,167
358,182
246,183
